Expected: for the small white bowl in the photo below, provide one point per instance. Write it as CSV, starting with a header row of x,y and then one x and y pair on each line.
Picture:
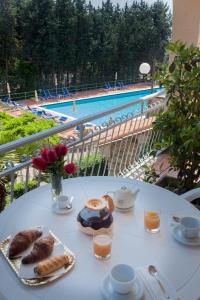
x,y
122,278
190,227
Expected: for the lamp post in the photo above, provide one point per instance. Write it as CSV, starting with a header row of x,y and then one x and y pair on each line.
x,y
145,69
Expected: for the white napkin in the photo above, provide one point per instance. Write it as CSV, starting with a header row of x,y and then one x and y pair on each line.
x,y
152,288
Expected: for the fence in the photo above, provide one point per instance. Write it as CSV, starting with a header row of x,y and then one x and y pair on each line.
x,y
78,88
118,148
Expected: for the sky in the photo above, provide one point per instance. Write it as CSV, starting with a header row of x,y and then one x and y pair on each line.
x,y
122,2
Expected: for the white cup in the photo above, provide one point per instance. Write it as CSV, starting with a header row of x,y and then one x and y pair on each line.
x,y
63,201
122,278
190,227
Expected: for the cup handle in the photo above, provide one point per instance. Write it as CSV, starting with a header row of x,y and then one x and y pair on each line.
x,y
110,202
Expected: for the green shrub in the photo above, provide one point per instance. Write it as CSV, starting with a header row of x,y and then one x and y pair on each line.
x,y
94,164
19,188
180,123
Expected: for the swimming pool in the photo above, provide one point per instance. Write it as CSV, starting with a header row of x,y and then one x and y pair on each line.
x,y
85,107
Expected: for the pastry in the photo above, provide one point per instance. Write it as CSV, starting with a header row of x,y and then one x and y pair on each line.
x,y
50,265
41,250
22,241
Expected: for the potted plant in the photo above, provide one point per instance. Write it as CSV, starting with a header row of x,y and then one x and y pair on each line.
x,y
179,124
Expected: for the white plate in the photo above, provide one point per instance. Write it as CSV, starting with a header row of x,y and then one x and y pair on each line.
x,y
109,294
178,235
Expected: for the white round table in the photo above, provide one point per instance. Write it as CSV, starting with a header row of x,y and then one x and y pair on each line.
x,y
131,243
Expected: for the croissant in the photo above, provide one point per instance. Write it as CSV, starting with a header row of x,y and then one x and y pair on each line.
x,y
22,241
51,265
41,250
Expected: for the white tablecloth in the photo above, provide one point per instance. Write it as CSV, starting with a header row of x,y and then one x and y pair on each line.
x,y
131,244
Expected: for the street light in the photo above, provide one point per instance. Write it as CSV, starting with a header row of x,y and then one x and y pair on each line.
x,y
145,70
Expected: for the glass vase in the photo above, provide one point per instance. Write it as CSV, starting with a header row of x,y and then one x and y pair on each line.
x,y
56,186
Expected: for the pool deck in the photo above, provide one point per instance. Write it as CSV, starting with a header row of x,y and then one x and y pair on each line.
x,y
89,94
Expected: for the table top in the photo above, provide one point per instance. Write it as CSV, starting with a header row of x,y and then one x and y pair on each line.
x,y
131,243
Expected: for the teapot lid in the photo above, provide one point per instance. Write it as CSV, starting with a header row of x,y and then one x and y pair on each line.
x,y
95,204
124,189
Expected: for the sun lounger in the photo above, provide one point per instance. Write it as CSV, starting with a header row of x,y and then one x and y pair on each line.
x,y
43,96
83,130
123,86
107,87
5,99
18,105
118,85
50,95
62,119
67,92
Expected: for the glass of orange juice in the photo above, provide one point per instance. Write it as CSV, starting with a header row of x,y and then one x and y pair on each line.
x,y
152,221
102,245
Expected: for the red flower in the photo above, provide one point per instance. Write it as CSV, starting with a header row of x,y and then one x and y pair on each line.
x,y
70,168
51,156
61,150
40,163
44,153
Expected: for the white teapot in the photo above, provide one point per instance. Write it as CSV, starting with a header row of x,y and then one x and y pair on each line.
x,y
124,198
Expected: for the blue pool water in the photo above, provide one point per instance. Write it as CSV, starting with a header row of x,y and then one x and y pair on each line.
x,y
89,106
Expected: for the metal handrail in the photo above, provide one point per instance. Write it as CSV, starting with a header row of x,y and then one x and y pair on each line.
x,y
44,134
124,145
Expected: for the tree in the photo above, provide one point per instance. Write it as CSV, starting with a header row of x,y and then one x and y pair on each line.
x,y
7,37
77,41
180,123
39,36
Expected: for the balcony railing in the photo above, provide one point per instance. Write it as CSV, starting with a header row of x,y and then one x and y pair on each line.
x,y
118,147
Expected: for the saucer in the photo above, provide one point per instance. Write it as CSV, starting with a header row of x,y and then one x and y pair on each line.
x,y
124,209
178,235
61,211
109,294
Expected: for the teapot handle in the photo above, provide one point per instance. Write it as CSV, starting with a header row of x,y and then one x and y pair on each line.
x,y
110,202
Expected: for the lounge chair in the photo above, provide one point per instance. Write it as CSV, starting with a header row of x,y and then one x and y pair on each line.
x,y
83,130
117,86
107,87
67,92
43,96
50,95
123,86
5,99
62,119
18,105
46,115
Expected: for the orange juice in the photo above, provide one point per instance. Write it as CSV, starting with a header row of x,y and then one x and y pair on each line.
x,y
102,244
152,221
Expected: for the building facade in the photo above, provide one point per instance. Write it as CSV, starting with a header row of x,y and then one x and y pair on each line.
x,y
186,21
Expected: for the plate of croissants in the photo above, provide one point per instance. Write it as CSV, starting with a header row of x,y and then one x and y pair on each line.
x,y
37,256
